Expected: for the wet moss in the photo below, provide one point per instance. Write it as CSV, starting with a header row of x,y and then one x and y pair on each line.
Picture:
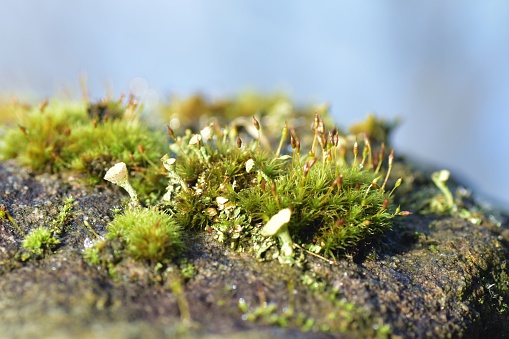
x,y
44,239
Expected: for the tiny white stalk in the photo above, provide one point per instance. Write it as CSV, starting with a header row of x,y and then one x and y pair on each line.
x,y
277,226
119,176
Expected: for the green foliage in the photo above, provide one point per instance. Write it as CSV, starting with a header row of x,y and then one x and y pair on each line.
x,y
214,169
145,234
330,218
273,110
228,181
231,188
66,136
44,239
38,241
42,135
187,269
342,317
57,225
427,200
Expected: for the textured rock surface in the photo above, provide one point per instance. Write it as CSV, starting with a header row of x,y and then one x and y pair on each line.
x,y
432,276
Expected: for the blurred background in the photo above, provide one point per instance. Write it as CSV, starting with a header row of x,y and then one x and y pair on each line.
x,y
440,66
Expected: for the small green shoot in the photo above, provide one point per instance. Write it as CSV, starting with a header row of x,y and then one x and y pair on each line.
x,y
45,239
4,213
144,234
440,180
38,241
57,225
446,203
175,283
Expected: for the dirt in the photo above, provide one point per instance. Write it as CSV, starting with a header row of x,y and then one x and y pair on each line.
x,y
431,276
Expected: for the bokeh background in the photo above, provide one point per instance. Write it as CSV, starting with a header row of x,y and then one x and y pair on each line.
x,y
441,66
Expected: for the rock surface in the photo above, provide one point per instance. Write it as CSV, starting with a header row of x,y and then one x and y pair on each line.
x,y
431,276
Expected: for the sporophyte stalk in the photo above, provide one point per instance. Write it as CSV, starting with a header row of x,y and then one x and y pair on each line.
x,y
332,199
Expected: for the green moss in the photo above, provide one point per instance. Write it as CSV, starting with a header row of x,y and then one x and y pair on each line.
x,y
325,217
144,234
341,317
65,136
44,239
220,183
229,181
38,241
187,270
272,110
57,225
375,128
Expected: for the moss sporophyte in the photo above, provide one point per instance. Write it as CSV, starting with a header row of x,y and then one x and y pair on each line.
x,y
325,202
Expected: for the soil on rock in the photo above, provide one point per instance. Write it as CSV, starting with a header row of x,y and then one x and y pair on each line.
x,y
431,276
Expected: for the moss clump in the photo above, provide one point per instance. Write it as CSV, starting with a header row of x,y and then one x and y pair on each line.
x,y
44,239
60,137
273,110
219,183
38,241
229,181
327,217
144,234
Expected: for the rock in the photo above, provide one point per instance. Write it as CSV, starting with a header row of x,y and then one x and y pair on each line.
x,y
431,276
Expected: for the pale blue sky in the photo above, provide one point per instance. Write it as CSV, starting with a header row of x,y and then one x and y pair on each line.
x,y
441,66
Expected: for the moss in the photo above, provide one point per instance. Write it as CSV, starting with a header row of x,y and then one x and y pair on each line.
x,y
64,136
339,316
38,241
57,225
44,239
144,234
231,187
272,110
375,128
187,269
225,185
228,181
